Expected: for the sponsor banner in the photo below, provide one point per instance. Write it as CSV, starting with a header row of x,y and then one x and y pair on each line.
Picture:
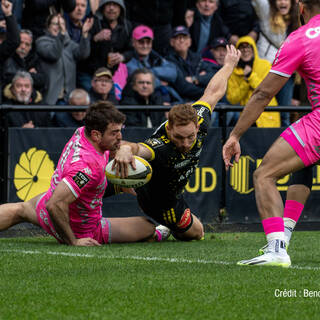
x,y
34,153
240,197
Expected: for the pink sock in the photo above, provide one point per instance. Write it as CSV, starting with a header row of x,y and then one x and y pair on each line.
x,y
293,210
273,228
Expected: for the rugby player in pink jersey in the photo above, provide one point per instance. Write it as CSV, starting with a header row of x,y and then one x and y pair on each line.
x,y
298,146
71,210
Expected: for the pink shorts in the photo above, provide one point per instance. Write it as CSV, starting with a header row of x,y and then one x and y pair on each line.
x,y
101,233
304,137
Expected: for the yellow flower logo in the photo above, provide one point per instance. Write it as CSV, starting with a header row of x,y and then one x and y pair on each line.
x,y
33,173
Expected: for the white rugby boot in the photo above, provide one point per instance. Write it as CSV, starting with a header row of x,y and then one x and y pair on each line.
x,y
264,249
274,255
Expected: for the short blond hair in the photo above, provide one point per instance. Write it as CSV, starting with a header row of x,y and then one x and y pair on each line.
x,y
182,114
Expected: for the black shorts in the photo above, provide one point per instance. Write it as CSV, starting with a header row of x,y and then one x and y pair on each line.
x,y
165,210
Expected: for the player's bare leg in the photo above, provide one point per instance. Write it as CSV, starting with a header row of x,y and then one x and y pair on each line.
x,y
195,232
280,160
132,229
14,213
297,194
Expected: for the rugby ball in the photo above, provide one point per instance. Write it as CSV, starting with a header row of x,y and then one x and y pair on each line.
x,y
136,178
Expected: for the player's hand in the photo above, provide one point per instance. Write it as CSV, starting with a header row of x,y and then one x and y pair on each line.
x,y
232,57
86,242
6,7
231,149
122,159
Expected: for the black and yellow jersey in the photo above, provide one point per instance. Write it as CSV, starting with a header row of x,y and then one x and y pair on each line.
x,y
171,168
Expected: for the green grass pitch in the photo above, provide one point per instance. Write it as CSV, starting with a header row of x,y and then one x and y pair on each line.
x,y
40,279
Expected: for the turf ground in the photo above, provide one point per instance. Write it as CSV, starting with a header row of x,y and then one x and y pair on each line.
x,y
40,279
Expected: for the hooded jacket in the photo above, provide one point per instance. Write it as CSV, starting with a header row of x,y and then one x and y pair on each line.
x,y
240,90
120,39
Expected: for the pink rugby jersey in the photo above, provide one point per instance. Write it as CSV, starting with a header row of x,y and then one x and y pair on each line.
x,y
301,52
82,168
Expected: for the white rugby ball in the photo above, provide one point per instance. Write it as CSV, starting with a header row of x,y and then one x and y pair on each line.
x,y
136,178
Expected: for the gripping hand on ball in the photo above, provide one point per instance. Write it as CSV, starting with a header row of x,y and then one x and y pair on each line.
x,y
122,159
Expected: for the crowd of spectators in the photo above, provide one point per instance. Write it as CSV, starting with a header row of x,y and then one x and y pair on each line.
x,y
136,52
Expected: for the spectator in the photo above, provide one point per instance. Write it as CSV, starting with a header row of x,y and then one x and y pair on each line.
x,y
194,69
35,13
9,37
25,59
75,20
246,77
21,92
141,92
216,52
111,41
78,97
277,20
240,17
59,55
215,55
169,80
160,15
207,25
102,86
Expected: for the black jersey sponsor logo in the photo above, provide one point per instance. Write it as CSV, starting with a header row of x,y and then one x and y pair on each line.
x,y
182,164
81,179
153,142
201,111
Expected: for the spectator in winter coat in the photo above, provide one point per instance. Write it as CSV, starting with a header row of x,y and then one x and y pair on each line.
x,y
194,69
25,59
140,91
59,55
21,92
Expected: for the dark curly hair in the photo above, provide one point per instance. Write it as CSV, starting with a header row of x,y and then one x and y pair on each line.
x,y
100,114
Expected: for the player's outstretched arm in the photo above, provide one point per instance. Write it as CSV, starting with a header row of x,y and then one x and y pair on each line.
x,y
58,209
217,86
260,98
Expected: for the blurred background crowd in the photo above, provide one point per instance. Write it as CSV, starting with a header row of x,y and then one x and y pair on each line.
x,y
139,52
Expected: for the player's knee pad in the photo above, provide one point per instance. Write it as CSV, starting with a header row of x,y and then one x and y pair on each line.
x,y
303,176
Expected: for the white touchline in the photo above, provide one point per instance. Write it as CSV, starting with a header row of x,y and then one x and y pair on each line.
x,y
172,260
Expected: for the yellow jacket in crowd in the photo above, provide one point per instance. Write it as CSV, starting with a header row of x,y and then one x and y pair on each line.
x,y
240,89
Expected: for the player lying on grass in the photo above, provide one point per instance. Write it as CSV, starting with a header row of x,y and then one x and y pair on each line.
x,y
173,152
71,210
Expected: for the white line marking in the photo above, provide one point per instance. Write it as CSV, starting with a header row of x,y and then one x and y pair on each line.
x,y
171,260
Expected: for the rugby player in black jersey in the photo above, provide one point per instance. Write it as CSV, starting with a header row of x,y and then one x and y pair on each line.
x,y
173,151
